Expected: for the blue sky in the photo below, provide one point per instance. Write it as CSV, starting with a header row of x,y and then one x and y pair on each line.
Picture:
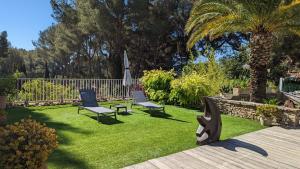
x,y
24,19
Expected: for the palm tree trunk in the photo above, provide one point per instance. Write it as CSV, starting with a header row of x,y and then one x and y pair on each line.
x,y
261,48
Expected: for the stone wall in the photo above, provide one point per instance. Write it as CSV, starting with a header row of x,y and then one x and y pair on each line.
x,y
247,110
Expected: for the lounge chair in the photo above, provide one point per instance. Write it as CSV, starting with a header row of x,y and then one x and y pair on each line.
x,y
89,102
140,99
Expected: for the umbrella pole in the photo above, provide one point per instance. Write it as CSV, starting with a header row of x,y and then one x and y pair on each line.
x,y
128,95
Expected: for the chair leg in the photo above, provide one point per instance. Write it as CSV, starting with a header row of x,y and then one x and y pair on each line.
x,y
116,115
97,117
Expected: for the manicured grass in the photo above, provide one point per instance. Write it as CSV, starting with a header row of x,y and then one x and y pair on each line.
x,y
85,143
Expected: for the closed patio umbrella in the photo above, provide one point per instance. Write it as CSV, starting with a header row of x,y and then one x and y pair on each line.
x,y
127,80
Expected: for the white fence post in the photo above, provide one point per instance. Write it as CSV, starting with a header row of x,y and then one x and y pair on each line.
x,y
57,90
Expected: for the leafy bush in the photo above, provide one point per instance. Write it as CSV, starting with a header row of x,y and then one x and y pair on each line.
x,y
205,79
271,101
3,117
43,90
26,144
190,89
271,85
235,65
267,111
228,85
157,84
7,86
2,112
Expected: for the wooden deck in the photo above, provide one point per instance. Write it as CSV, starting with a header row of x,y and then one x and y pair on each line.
x,y
273,147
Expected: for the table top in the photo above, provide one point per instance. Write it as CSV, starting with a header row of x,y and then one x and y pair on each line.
x,y
120,106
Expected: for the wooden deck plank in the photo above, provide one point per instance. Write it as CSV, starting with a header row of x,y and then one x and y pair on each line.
x,y
144,165
295,132
169,163
208,158
248,154
219,161
284,136
273,147
277,152
264,159
159,164
232,157
187,161
270,142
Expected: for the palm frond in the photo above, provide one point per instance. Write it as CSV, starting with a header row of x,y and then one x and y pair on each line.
x,y
213,18
289,6
204,12
295,30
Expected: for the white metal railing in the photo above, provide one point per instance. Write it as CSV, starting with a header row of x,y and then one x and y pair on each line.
x,y
61,90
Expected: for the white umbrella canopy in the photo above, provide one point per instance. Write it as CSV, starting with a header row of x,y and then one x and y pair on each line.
x,y
127,80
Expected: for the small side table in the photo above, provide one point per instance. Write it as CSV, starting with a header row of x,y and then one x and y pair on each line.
x,y
119,106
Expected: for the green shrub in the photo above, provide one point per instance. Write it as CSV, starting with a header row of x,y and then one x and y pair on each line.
x,y
7,86
198,80
271,85
190,89
3,117
267,111
26,144
272,101
157,84
44,90
2,112
228,85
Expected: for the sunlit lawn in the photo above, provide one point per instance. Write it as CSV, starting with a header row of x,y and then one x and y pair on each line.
x,y
85,143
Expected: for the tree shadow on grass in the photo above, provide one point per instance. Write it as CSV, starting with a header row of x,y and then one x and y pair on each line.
x,y
108,120
41,108
233,144
64,159
160,114
123,113
59,157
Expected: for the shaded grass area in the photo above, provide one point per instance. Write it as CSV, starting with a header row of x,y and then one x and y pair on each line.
x,y
133,138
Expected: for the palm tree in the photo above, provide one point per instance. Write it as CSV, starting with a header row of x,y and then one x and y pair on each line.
x,y
262,19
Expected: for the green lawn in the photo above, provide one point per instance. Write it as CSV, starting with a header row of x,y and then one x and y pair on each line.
x,y
85,143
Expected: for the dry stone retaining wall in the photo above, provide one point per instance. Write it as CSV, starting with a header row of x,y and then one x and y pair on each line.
x,y
247,110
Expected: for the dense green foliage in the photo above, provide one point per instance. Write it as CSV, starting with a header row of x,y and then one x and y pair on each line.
x,y
4,44
7,86
45,90
286,57
229,84
157,84
214,18
263,19
90,37
235,66
271,101
267,111
198,80
189,89
85,143
26,144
